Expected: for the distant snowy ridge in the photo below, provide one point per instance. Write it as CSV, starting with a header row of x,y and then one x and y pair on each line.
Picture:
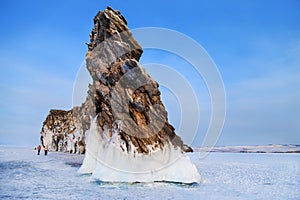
x,y
271,148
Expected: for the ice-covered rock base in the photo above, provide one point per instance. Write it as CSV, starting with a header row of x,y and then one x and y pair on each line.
x,y
106,161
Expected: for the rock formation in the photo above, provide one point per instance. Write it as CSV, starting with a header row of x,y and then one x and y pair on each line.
x,y
60,133
123,99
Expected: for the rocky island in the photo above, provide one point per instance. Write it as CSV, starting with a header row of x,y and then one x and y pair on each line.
x,y
135,110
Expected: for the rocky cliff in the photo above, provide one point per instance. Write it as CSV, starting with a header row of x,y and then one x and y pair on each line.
x,y
123,99
60,133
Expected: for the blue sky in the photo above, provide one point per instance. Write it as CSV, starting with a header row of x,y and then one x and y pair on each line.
x,y
254,43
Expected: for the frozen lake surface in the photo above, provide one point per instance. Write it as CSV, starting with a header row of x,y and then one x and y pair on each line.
x,y
25,175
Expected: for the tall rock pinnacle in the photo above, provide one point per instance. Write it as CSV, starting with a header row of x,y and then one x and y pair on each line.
x,y
123,99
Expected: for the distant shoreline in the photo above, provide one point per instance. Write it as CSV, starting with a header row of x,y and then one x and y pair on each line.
x,y
271,148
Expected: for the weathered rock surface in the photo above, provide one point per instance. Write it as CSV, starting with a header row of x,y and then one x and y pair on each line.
x,y
124,99
60,133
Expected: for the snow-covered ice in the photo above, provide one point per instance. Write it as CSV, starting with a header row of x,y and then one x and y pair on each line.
x,y
23,174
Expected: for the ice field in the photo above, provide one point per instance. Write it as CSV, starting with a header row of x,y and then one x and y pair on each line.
x,y
25,175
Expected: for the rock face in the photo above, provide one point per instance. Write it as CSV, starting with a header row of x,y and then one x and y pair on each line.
x,y
123,99
59,132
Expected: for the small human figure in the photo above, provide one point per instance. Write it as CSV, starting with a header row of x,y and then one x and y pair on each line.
x,y
46,150
39,149
75,147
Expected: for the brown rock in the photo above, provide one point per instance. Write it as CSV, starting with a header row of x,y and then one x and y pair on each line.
x,y
125,99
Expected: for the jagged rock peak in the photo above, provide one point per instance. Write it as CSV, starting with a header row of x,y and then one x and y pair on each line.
x,y
110,23
127,99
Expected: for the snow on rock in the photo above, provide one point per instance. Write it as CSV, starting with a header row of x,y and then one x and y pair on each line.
x,y
60,133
